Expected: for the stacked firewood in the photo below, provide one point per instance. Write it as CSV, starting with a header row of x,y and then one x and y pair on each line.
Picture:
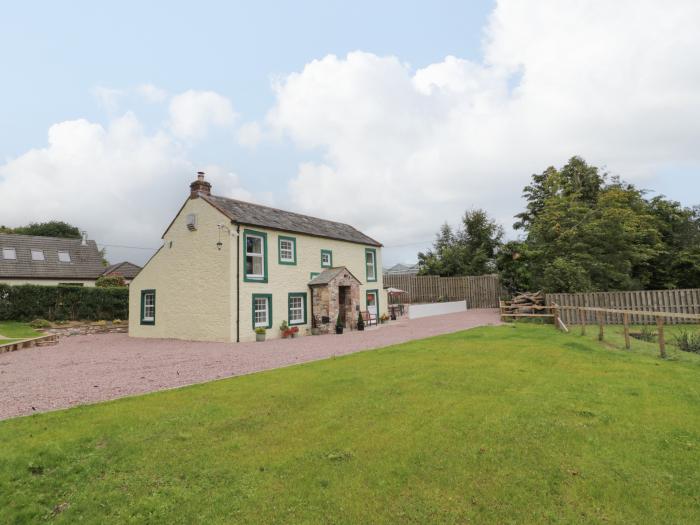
x,y
525,303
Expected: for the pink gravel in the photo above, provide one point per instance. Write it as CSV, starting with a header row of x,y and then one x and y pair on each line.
x,y
91,368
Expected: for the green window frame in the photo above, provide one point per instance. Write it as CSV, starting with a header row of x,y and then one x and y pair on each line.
x,y
268,297
376,295
293,240
330,258
252,278
304,303
373,251
313,274
150,320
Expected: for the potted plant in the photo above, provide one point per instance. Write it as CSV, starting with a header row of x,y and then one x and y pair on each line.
x,y
360,322
293,331
383,318
260,334
338,326
284,329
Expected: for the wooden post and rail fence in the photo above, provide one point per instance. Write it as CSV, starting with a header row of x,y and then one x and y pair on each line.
x,y
659,307
482,291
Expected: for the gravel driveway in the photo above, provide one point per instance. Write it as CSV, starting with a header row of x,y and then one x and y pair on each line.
x,y
92,368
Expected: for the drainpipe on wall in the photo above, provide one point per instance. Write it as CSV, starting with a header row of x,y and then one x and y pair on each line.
x,y
238,283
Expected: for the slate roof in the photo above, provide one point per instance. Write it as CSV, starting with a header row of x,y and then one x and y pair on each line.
x,y
125,269
257,215
329,274
85,261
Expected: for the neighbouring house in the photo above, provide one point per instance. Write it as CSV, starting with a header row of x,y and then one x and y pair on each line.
x,y
402,269
50,261
125,269
227,267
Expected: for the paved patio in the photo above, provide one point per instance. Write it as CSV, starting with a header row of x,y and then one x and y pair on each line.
x,y
92,368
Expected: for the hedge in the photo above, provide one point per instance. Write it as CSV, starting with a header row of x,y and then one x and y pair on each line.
x,y
62,303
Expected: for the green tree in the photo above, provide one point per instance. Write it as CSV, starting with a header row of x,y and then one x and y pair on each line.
x,y
46,229
471,250
584,230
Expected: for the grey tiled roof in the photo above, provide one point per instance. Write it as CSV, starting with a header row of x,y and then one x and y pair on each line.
x,y
125,269
266,217
328,275
85,261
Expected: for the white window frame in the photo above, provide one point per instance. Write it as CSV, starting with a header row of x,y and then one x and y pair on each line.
x,y
152,306
372,265
325,264
300,308
289,259
261,255
66,255
6,251
256,310
38,255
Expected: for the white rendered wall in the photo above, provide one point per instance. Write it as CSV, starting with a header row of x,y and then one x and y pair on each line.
x,y
426,310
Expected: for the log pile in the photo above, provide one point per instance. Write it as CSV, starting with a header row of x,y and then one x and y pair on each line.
x,y
525,303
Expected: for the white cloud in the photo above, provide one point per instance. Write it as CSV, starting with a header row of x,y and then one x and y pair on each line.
x,y
249,134
118,182
152,93
615,82
108,97
192,113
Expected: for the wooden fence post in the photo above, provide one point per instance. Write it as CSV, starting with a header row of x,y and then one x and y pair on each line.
x,y
662,341
582,319
626,323
555,311
601,322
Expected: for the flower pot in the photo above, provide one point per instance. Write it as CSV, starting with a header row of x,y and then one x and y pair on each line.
x,y
360,327
259,337
338,330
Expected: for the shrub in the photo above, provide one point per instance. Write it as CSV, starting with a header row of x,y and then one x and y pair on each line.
x,y
60,303
360,322
647,334
110,281
260,330
40,323
117,321
688,341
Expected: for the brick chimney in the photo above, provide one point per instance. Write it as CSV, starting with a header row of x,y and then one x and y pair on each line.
x,y
200,186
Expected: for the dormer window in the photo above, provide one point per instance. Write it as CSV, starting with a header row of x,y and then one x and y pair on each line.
x,y
63,256
37,255
9,253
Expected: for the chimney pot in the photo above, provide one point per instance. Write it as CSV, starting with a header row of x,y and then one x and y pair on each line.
x,y
200,186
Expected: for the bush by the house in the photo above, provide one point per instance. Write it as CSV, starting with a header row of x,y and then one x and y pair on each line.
x,y
61,303
110,281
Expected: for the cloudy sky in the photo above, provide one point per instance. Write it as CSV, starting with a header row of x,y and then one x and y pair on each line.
x,y
394,117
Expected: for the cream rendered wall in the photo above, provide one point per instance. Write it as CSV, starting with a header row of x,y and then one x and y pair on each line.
x,y
192,280
283,279
46,282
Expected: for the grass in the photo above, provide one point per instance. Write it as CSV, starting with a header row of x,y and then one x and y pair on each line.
x,y
615,338
510,424
14,330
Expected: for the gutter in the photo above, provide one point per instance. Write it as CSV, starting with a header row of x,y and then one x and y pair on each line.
x,y
238,282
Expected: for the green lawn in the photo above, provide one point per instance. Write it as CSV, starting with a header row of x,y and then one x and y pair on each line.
x,y
509,424
16,330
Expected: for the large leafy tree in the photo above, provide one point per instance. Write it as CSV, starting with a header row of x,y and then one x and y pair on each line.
x,y
46,229
470,250
586,231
